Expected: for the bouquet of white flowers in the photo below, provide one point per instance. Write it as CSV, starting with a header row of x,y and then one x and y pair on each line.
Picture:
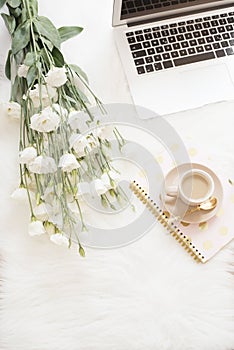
x,y
57,163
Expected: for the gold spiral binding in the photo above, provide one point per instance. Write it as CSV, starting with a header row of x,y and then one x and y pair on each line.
x,y
182,238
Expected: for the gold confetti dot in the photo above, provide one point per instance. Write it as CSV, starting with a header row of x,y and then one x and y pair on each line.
x,y
175,147
159,159
185,223
232,198
207,245
142,174
220,212
192,152
203,226
223,231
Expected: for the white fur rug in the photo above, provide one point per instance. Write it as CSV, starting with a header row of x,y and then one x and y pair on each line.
x,y
146,296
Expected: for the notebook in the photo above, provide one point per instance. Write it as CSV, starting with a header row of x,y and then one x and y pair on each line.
x,y
202,241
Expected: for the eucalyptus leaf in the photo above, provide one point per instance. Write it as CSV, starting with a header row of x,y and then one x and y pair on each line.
x,y
48,43
19,57
2,2
69,32
79,71
9,22
16,12
8,65
14,3
58,57
32,75
15,89
34,7
30,59
21,37
46,28
44,56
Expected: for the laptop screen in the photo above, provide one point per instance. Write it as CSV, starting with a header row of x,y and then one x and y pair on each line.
x,y
136,8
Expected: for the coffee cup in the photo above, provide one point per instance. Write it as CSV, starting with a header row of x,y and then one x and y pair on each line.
x,y
195,186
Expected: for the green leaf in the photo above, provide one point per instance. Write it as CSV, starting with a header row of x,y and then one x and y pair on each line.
x,y
30,59
34,7
16,12
69,32
32,75
231,182
2,2
79,72
48,43
8,65
14,3
15,89
46,28
58,57
9,22
21,37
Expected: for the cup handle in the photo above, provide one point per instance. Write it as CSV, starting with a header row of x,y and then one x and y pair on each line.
x,y
171,191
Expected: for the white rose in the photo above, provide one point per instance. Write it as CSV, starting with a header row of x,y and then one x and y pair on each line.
x,y
45,121
43,165
56,77
80,144
12,110
23,71
99,186
68,162
43,94
59,239
36,228
77,118
27,155
42,211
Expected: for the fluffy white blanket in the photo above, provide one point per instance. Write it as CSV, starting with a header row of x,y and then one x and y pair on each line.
x,y
149,295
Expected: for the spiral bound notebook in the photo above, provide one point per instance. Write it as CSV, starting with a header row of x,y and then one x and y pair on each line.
x,y
201,241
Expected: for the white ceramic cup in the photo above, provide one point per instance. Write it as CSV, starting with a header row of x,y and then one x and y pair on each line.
x,y
195,187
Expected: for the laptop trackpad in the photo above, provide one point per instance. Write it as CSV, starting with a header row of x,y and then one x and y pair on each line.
x,y
207,84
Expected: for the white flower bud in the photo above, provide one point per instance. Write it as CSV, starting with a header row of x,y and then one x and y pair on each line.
x,y
59,239
27,155
68,162
43,165
36,228
56,77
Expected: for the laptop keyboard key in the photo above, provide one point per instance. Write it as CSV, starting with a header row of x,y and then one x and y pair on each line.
x,y
141,70
139,62
149,68
220,53
140,38
131,40
135,47
230,51
149,59
158,66
193,59
167,64
140,53
157,58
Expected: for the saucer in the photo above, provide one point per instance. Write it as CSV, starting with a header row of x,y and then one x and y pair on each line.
x,y
176,207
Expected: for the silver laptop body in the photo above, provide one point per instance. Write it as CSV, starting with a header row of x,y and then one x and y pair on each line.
x,y
178,54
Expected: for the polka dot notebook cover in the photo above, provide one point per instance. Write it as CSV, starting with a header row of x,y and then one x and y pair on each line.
x,y
204,239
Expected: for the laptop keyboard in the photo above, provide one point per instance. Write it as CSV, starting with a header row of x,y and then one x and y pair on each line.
x,y
133,6
176,44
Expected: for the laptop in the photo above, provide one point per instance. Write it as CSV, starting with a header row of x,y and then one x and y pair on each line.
x,y
177,54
